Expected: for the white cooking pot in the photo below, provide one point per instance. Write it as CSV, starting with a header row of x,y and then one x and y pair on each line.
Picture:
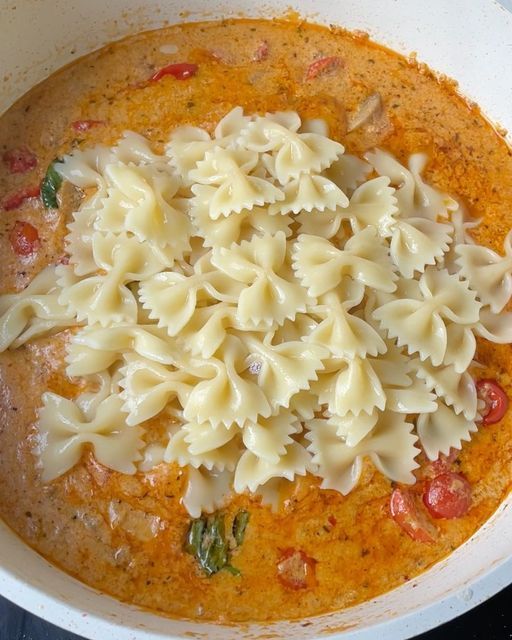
x,y
469,41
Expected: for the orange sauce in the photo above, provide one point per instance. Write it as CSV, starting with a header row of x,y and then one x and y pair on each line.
x,y
124,535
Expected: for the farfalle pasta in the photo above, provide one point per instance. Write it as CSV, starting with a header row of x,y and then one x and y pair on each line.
x,y
286,307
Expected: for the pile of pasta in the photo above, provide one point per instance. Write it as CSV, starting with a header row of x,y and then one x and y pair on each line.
x,y
281,306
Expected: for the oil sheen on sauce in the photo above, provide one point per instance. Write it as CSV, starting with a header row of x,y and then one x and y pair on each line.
x,y
124,534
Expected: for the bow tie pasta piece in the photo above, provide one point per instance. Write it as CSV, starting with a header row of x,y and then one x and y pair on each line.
x,y
141,202
457,389
103,385
420,324
92,346
85,168
443,429
217,165
258,220
135,149
488,273
348,172
253,471
283,369
230,126
216,233
64,430
373,204
352,429
206,490
345,335
307,193
294,330
204,437
351,386
418,242
106,298
320,265
293,153
393,367
33,312
414,399
172,298
188,145
147,387
461,233
269,298
415,199
327,224
225,397
223,180
207,329
495,327
268,438
78,241
304,404
219,459
243,226
460,346
390,446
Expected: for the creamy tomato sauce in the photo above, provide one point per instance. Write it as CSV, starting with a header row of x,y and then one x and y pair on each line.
x,y
123,534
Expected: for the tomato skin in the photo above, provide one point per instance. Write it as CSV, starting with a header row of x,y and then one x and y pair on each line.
x,y
406,514
495,398
447,496
321,66
179,70
20,160
442,464
261,52
24,238
85,125
296,570
15,200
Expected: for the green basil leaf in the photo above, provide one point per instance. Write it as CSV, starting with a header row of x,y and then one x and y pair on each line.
x,y
213,554
239,526
195,536
206,540
50,186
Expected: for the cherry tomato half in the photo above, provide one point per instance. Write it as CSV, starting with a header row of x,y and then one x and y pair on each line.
x,y
495,398
321,66
24,238
447,496
296,570
180,70
20,160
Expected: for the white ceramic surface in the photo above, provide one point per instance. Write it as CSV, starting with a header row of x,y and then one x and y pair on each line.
x,y
469,41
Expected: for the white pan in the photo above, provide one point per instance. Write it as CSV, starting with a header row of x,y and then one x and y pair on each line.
x,y
469,41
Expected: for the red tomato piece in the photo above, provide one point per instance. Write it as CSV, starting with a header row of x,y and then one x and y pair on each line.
x,y
296,570
15,200
495,398
321,66
407,515
20,160
180,70
24,238
261,52
447,496
85,125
